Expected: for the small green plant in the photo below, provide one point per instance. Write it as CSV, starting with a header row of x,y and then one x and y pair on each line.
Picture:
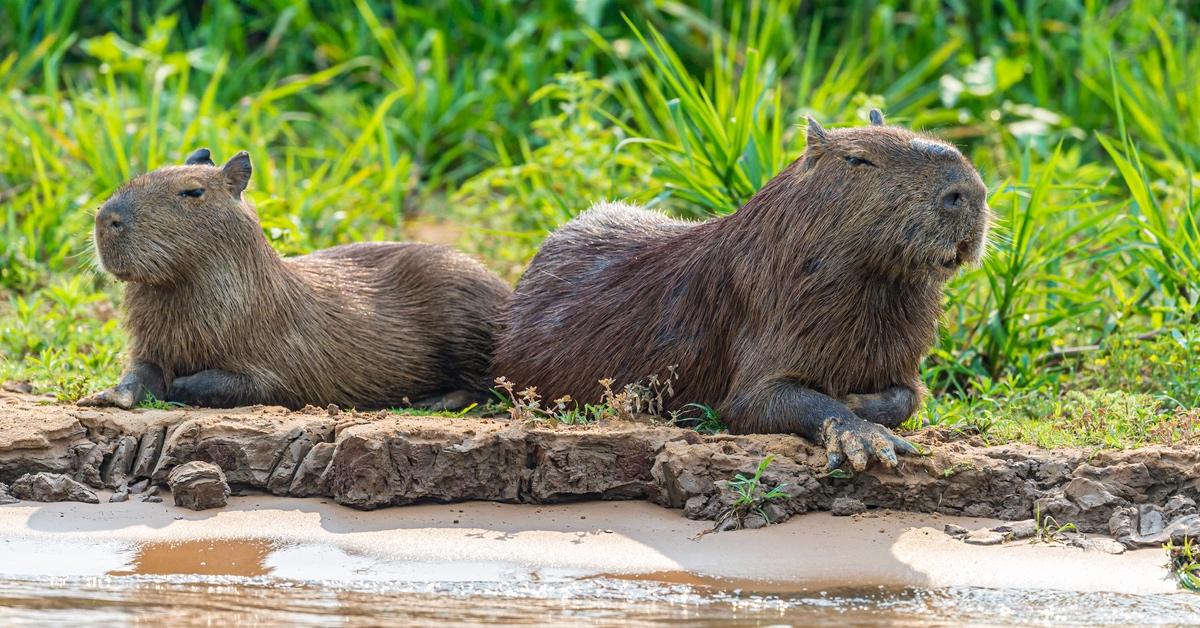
x,y
150,402
1183,562
472,409
750,498
709,420
1046,528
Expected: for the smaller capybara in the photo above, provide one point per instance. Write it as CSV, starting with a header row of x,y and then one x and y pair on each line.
x,y
806,311
216,317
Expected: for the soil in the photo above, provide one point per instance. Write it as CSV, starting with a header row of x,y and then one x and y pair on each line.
x,y
372,460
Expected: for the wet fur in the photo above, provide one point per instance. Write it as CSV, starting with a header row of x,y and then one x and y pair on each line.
x,y
826,284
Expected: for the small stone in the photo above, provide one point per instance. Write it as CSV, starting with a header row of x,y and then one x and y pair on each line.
x,y
198,485
1108,546
775,513
984,536
119,496
18,387
845,506
139,486
754,522
1017,529
955,531
5,496
152,499
333,409
52,487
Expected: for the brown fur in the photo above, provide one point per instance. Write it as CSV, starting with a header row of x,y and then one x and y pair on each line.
x,y
829,278
357,325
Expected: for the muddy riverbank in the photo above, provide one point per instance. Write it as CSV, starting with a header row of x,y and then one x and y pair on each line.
x,y
372,460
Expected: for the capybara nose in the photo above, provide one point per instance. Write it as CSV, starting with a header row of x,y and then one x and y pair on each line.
x,y
953,199
112,219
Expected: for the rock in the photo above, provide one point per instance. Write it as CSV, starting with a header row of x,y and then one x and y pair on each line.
x,y
6,497
1108,546
1017,529
52,487
376,460
1088,494
983,536
116,472
1150,520
152,499
845,506
198,485
1179,506
333,410
140,486
775,513
1123,524
754,522
978,510
310,478
955,531
119,496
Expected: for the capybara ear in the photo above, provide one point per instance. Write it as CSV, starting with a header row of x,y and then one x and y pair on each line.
x,y
199,157
237,172
816,133
876,117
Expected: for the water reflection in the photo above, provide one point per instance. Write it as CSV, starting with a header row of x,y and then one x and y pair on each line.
x,y
225,581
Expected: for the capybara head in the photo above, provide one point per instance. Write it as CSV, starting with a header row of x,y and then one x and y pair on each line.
x,y
171,222
898,203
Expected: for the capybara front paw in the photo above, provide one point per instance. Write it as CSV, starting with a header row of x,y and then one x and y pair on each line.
x,y
111,398
856,440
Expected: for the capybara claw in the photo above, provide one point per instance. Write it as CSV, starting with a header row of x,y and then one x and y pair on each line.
x,y
111,398
860,442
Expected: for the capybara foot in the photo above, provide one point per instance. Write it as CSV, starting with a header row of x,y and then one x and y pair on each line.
x,y
116,397
451,401
856,440
212,389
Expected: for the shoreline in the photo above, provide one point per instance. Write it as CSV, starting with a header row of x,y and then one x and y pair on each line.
x,y
485,541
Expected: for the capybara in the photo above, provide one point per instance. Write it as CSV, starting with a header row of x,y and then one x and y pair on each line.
x,y
807,311
216,317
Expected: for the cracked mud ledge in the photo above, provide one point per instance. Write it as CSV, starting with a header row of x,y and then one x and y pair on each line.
x,y
372,460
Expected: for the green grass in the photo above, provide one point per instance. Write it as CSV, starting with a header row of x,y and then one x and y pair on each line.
x,y
497,122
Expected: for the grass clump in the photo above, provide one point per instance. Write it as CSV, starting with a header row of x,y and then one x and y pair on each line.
x,y
750,497
1183,561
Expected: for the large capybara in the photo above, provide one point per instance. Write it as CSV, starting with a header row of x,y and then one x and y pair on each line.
x,y
807,311
217,318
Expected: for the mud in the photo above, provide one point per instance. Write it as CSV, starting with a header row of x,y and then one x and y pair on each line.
x,y
369,461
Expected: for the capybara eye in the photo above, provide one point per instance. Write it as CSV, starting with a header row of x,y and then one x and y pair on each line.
x,y
193,193
857,161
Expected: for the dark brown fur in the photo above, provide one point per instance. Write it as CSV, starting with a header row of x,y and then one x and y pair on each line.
x,y
828,280
206,296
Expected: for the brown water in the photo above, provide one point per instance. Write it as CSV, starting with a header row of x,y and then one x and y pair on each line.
x,y
226,581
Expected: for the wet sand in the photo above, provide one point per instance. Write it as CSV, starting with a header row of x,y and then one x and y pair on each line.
x,y
314,539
